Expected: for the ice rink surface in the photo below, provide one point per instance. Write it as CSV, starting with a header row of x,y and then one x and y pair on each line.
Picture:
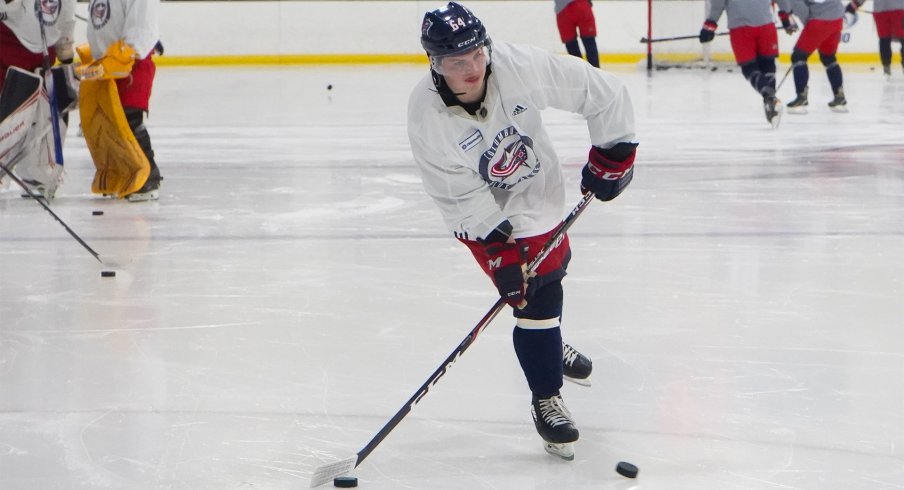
x,y
743,301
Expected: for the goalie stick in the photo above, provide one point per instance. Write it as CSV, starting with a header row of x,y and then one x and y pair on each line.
x,y
40,201
54,115
326,473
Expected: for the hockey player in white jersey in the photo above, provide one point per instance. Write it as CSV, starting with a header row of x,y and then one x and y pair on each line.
x,y
478,140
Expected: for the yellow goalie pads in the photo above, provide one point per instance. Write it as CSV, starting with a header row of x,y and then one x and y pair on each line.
x,y
122,168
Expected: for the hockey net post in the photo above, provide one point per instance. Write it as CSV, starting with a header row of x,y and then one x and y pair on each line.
x,y
672,42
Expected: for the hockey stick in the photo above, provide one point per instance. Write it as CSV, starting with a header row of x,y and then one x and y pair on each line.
x,y
782,82
677,38
54,114
327,472
37,198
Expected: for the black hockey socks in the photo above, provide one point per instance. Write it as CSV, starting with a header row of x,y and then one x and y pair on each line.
x,y
885,50
539,352
833,70
801,71
573,48
593,56
767,66
763,84
135,118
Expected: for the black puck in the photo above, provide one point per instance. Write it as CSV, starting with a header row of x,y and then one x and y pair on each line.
x,y
329,87
626,469
107,273
345,482
97,213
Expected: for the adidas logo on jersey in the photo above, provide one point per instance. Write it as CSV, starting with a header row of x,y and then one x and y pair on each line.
x,y
519,109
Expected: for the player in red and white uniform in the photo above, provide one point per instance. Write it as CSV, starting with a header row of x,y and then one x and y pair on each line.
x,y
478,140
889,18
135,22
823,22
574,18
754,43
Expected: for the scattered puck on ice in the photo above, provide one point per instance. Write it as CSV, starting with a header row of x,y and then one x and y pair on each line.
x,y
626,469
345,482
97,213
107,273
329,87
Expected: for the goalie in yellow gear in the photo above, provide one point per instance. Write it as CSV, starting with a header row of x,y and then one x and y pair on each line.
x,y
114,99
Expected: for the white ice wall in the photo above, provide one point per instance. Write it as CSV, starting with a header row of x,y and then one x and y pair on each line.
x,y
392,27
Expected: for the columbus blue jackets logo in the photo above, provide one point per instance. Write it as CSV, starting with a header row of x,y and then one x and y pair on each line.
x,y
48,11
510,160
100,13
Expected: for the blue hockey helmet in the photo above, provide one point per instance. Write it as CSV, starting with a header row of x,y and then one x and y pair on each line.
x,y
452,30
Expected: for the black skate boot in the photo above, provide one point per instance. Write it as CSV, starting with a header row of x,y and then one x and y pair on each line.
x,y
576,367
799,105
773,108
886,69
839,103
150,191
554,424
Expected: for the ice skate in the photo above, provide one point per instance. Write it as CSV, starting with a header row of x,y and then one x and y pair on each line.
x,y
839,103
576,367
773,107
886,69
555,426
799,105
150,191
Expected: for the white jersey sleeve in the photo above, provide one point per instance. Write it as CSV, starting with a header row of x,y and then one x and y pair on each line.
x,y
499,163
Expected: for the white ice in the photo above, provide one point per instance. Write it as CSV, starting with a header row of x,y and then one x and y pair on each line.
x,y
743,301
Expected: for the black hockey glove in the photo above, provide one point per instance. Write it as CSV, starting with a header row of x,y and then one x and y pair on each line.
x,y
507,263
608,171
708,33
788,22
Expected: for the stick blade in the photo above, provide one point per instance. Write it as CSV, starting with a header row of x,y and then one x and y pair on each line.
x,y
326,473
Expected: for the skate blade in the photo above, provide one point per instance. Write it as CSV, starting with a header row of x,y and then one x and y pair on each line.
x,y
797,110
578,381
564,450
777,118
144,196
840,109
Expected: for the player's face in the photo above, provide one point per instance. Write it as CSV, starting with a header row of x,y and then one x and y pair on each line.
x,y
465,73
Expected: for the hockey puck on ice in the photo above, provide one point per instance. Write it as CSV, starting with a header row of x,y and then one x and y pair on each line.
x,y
107,273
345,482
97,213
329,87
626,469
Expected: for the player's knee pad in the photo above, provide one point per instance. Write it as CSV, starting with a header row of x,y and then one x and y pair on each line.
x,y
766,64
543,303
799,57
828,60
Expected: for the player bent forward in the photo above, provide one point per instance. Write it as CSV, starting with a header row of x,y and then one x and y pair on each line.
x,y
484,156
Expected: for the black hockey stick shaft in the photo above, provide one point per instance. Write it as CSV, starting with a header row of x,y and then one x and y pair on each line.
x,y
677,38
472,335
784,77
40,201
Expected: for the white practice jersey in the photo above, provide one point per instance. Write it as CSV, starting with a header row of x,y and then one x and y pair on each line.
x,y
500,164
21,17
134,21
